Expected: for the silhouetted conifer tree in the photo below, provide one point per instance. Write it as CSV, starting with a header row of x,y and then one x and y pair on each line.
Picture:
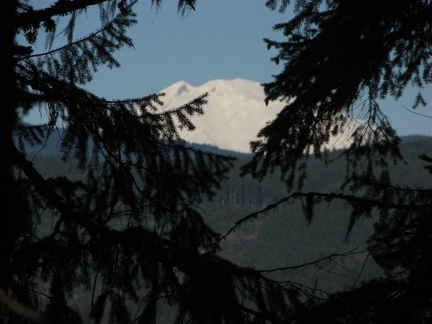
x,y
129,234
340,58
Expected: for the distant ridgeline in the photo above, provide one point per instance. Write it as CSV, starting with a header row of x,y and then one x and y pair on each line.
x,y
282,236
52,147
247,192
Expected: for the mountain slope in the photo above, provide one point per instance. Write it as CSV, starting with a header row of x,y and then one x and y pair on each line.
x,y
235,113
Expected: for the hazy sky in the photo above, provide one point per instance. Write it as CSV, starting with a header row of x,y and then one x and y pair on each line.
x,y
222,39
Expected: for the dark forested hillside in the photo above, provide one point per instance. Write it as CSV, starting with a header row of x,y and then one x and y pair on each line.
x,y
282,236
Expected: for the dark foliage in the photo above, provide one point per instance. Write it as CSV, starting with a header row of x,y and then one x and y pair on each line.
x,y
340,58
130,231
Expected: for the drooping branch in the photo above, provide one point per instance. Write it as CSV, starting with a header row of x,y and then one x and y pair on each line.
x,y
352,199
314,262
60,8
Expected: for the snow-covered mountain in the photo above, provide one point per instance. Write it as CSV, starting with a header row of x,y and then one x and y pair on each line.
x,y
233,116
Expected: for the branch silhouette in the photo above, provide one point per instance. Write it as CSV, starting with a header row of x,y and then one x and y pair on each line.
x,y
327,197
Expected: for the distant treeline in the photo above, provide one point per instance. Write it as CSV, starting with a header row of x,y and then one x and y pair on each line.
x,y
283,237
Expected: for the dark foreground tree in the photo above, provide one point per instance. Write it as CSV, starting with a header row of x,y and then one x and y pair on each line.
x,y
340,58
128,235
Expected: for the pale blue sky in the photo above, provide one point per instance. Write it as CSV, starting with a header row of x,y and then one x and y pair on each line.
x,y
222,39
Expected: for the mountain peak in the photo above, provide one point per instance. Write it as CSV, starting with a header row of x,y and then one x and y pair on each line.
x,y
235,113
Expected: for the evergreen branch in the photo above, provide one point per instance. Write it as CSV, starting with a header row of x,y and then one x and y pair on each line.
x,y
71,214
327,197
59,8
315,262
255,313
68,46
416,113
74,61
362,268
48,193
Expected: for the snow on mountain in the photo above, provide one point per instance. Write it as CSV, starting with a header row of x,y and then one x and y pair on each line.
x,y
234,114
